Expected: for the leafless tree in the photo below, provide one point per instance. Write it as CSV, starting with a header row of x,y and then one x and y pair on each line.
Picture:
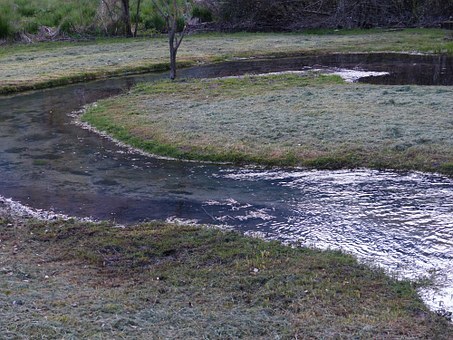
x,y
297,14
172,11
137,15
114,17
126,18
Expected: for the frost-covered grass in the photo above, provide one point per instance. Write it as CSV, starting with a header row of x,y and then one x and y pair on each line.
x,y
312,120
68,279
42,65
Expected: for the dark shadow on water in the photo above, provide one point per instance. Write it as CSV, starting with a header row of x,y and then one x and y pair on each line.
x,y
404,69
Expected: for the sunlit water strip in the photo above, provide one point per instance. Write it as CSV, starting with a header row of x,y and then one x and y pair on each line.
x,y
400,222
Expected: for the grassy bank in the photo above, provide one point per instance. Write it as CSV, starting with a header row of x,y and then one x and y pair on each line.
x,y
70,279
24,67
312,120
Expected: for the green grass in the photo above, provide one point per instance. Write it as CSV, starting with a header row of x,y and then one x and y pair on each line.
x,y
76,18
25,67
313,120
26,16
65,279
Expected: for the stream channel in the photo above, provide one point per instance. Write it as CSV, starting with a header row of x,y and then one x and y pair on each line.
x,y
401,221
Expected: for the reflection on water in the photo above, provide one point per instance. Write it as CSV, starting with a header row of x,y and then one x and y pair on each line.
x,y
403,222
403,69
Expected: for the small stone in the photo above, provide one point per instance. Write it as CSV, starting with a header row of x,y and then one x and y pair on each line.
x,y
18,302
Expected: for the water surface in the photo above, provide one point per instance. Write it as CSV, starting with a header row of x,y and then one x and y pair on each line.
x,y
400,221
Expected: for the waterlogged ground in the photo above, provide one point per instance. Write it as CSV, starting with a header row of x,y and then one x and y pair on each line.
x,y
26,66
48,163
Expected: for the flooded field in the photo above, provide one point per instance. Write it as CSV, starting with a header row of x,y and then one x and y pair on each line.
x,y
400,221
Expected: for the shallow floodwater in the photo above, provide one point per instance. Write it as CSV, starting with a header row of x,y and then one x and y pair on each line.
x,y
403,69
400,221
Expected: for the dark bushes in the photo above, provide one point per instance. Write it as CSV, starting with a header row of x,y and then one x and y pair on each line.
x,y
202,13
5,29
290,15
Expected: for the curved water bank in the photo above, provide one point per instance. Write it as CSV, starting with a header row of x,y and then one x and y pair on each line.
x,y
296,119
49,65
196,282
84,77
48,164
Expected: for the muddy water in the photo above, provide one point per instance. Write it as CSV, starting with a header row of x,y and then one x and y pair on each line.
x,y
400,221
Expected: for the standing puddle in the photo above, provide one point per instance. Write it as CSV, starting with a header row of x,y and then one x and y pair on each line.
x,y
402,222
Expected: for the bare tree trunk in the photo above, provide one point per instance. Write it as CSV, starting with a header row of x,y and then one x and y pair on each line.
x,y
173,52
126,18
173,44
136,18
171,11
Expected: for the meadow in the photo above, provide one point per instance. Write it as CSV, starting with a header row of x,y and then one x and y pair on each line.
x,y
70,279
309,120
42,65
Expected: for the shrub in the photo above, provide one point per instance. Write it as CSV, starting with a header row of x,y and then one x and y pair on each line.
x,y
5,28
180,23
31,26
202,13
66,25
155,22
26,8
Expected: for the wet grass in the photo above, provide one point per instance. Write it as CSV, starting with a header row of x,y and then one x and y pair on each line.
x,y
314,120
25,67
65,279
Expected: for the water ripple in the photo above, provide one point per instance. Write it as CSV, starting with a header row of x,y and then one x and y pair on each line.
x,y
402,222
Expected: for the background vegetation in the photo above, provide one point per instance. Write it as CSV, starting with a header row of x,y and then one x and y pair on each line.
x,y
74,17
29,16
47,19
296,14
